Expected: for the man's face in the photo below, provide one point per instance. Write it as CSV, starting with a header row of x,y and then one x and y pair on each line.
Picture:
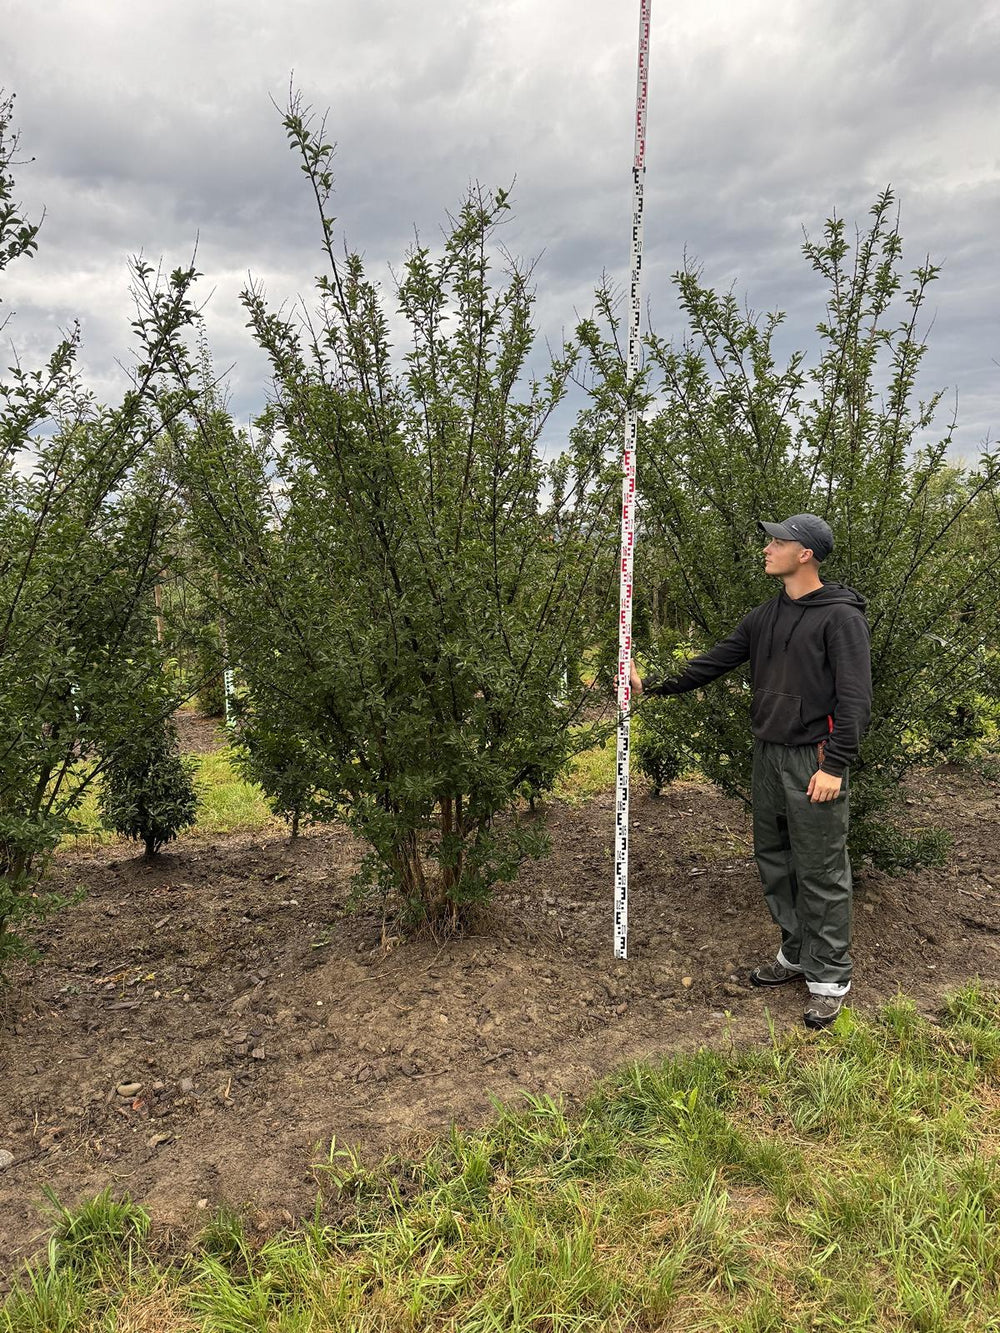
x,y
781,557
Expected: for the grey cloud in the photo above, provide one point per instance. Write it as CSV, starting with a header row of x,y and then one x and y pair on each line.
x,y
152,123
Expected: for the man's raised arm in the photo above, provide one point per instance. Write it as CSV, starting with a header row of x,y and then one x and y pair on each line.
x,y
732,652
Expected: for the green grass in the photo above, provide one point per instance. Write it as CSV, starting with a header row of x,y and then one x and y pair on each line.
x,y
843,1182
590,772
227,804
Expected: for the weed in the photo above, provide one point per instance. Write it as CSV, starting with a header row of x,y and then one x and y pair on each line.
x,y
98,1233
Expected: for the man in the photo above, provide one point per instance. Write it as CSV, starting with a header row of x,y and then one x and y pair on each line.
x,y
810,666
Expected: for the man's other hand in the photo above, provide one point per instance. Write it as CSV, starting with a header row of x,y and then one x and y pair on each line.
x,y
823,786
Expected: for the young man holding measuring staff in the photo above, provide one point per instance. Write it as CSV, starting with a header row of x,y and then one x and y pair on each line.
x,y
810,665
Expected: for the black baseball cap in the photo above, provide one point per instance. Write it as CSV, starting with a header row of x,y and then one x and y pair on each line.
x,y
811,531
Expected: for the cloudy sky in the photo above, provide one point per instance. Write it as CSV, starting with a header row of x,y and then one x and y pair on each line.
x,y
151,122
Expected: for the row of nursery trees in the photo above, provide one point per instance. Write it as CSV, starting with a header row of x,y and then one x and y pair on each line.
x,y
416,595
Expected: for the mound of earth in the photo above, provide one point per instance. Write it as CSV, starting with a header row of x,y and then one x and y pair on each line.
x,y
201,1029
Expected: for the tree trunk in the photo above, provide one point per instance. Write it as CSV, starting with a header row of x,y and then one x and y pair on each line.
x,y
460,830
412,881
447,828
158,602
452,826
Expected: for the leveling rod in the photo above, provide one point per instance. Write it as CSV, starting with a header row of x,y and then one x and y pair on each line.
x,y
628,499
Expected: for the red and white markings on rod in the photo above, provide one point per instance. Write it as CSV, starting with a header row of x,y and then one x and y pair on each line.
x,y
628,500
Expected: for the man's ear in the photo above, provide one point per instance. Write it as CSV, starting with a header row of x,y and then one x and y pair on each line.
x,y
805,555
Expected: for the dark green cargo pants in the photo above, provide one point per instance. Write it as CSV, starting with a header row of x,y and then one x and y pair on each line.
x,y
801,852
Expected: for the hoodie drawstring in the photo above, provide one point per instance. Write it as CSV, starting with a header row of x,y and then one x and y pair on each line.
x,y
774,620
798,622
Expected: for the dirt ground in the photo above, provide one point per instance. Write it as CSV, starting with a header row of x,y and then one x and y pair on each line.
x,y
200,1029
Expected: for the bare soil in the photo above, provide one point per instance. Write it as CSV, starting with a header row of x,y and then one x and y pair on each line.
x,y
197,734
251,1017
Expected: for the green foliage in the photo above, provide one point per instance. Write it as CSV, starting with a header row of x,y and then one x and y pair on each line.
x,y
403,578
226,803
190,626
148,791
896,849
589,773
85,512
192,622
732,437
210,696
272,753
656,754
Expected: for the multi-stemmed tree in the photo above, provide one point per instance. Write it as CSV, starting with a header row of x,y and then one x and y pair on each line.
x,y
406,580
84,517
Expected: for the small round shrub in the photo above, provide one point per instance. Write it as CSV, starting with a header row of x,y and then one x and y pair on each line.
x,y
148,793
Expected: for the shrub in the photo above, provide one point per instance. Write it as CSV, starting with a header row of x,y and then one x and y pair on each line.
x,y
404,578
656,753
148,792
274,754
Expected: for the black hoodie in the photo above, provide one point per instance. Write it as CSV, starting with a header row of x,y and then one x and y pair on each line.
x,y
810,666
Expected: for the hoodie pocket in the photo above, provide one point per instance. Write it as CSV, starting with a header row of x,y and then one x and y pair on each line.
x,y
777,717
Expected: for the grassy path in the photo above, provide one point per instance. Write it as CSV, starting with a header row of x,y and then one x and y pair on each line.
x,y
228,804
